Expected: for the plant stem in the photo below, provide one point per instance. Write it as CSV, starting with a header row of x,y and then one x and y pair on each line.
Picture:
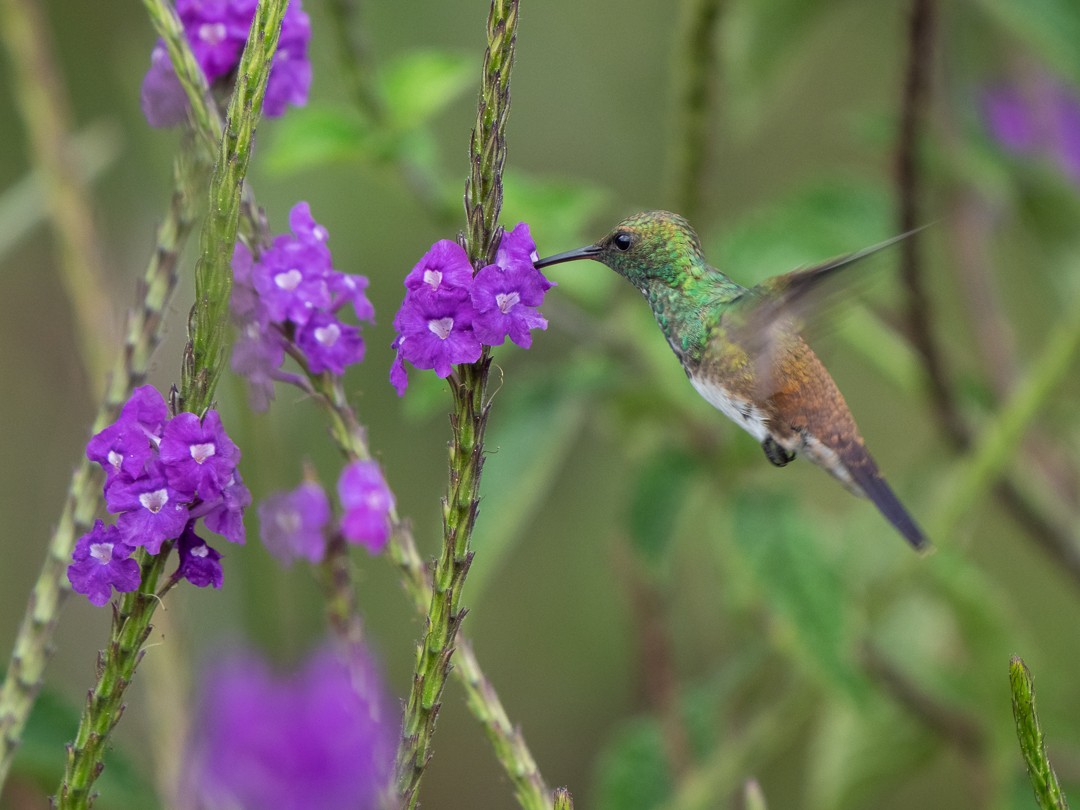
x,y
1043,779
42,100
143,333
203,360
468,421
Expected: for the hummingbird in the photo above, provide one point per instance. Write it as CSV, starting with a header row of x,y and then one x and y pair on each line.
x,y
741,349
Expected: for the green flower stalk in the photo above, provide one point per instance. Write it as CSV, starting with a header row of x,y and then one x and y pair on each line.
x,y
1043,779
208,330
483,203
25,671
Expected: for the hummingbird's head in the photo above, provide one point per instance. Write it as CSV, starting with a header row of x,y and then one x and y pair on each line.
x,y
650,246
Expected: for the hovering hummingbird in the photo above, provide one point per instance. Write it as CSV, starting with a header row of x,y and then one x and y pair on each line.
x,y
741,349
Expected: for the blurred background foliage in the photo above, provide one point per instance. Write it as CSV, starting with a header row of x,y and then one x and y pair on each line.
x,y
672,621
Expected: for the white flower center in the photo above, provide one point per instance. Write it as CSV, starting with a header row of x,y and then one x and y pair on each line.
x,y
154,501
507,301
212,33
201,452
201,550
288,520
320,233
441,328
289,280
115,459
102,552
433,278
328,335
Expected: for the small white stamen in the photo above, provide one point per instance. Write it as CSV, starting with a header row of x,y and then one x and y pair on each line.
x,y
201,550
102,552
201,452
433,278
507,301
115,459
441,327
289,280
154,501
328,335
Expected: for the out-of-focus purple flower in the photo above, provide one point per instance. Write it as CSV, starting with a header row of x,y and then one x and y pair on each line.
x,y
319,739
293,293
101,562
217,31
199,564
226,516
198,456
449,314
366,500
293,524
1039,118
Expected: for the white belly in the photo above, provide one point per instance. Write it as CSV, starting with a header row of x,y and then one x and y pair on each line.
x,y
740,411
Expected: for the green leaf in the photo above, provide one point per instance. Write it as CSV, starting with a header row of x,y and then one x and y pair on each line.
x,y
658,497
632,772
1043,779
419,85
319,135
786,557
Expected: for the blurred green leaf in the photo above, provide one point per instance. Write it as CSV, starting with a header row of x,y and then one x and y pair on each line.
x,y
40,757
658,497
321,134
1043,779
419,85
632,771
802,588
1051,29
559,212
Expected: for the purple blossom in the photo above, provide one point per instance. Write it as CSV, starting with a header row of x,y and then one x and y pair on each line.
x,y
226,516
129,444
367,502
199,564
101,562
449,314
217,31
316,739
1039,118
151,511
198,456
293,293
293,524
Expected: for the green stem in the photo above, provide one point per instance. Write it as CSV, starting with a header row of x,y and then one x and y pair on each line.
x,y
695,77
1000,440
468,420
1043,779
42,100
203,360
143,333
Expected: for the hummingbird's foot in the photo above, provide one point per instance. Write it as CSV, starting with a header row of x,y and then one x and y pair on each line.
x,y
775,453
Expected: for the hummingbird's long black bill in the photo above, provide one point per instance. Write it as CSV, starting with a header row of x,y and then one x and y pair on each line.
x,y
588,252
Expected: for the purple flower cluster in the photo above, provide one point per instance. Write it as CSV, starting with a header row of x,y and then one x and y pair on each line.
x,y
161,475
449,314
1041,118
217,31
319,738
291,295
294,525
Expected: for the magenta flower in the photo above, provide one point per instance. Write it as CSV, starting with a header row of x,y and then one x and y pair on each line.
x,y
199,564
101,562
321,738
293,524
217,31
367,502
1042,118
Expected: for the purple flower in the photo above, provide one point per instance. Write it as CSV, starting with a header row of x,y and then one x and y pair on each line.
x,y
1041,118
293,524
101,562
226,516
367,502
506,302
436,334
199,564
316,739
130,443
198,456
293,293
217,31
445,269
518,250
151,511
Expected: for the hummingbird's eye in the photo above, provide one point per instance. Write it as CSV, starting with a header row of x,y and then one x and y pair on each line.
x,y
622,241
